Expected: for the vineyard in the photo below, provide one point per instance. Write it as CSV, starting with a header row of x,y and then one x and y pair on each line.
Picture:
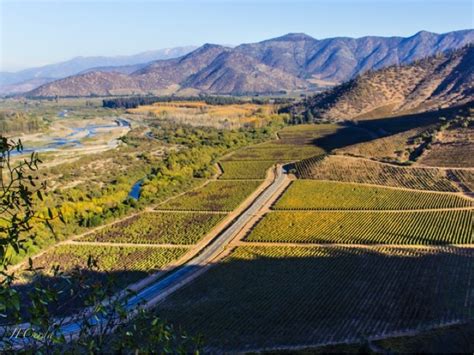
x,y
422,228
326,136
454,149
306,133
158,228
132,263
294,143
116,268
277,152
393,147
326,195
245,169
338,168
464,177
277,296
214,196
450,155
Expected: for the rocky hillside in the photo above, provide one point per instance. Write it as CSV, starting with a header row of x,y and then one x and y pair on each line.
x,y
291,62
234,72
34,77
442,80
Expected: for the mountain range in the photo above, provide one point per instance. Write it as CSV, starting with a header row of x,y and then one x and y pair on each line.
x,y
294,62
28,79
439,81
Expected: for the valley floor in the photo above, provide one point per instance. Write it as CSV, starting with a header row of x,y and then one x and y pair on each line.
x,y
333,249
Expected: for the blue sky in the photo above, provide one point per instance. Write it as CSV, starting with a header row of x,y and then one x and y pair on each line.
x,y
41,32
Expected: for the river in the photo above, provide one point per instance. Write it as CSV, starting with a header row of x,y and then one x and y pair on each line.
x,y
70,141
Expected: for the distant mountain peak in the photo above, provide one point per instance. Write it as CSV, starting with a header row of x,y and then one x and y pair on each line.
x,y
291,62
80,64
210,45
424,34
295,37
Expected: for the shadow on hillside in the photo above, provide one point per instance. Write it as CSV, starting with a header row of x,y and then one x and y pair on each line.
x,y
74,288
256,301
265,296
361,131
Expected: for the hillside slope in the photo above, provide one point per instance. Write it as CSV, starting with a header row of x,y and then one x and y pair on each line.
x,y
34,77
92,83
234,72
291,62
439,81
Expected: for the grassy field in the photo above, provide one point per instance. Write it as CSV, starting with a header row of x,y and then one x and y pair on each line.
x,y
338,168
158,228
199,113
327,195
423,228
272,296
245,169
215,196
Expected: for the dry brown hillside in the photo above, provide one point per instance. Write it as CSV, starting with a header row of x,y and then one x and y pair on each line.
x,y
289,63
443,80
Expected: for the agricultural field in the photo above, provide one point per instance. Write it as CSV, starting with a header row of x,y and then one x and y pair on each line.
x,y
245,169
129,263
302,142
336,293
346,169
113,268
328,195
458,154
294,143
464,177
327,136
390,148
367,227
158,228
276,152
306,133
457,338
214,196
199,113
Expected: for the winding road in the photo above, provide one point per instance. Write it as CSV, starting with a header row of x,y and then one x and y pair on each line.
x,y
163,287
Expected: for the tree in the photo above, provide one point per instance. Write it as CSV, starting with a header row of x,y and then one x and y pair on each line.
x,y
117,330
17,191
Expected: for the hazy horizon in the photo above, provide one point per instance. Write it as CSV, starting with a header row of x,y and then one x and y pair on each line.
x,y
109,28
